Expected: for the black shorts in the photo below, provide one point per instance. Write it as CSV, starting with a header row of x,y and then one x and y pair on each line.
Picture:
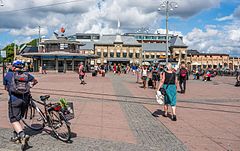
x,y
16,109
154,78
81,77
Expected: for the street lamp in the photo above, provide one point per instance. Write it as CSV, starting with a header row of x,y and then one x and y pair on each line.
x,y
143,30
1,3
167,5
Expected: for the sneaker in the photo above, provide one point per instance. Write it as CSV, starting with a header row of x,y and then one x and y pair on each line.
x,y
24,141
15,139
174,118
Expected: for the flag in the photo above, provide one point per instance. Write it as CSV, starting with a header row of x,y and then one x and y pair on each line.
x,y
118,23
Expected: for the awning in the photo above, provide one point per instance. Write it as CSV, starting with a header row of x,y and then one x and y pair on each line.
x,y
176,52
118,60
131,51
105,50
137,51
98,61
112,51
195,63
99,50
183,52
118,51
152,53
125,51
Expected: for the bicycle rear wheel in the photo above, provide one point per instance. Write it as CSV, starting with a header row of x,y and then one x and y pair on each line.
x,y
33,117
60,126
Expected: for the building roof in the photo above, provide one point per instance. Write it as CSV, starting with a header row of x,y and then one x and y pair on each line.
x,y
87,46
110,39
29,49
58,54
176,41
193,52
157,47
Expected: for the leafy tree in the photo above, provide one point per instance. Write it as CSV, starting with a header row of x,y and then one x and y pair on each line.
x,y
33,43
9,52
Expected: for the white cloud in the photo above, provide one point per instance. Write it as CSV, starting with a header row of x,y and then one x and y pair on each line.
x,y
215,39
26,31
230,17
98,15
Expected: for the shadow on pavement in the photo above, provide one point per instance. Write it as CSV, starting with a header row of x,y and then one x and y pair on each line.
x,y
159,112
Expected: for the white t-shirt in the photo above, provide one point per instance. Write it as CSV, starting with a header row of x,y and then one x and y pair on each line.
x,y
144,72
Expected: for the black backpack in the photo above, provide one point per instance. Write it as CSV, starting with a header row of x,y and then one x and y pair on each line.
x,y
19,83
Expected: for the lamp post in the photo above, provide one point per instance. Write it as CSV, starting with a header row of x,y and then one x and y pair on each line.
x,y
167,5
1,3
143,30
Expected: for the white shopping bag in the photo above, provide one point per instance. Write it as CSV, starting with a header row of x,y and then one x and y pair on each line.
x,y
159,97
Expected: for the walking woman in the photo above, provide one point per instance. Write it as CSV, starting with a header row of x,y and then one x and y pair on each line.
x,y
169,83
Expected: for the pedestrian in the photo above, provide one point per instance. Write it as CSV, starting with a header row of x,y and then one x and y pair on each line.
x,y
17,83
169,83
183,75
238,78
119,69
44,69
154,76
81,72
114,68
144,76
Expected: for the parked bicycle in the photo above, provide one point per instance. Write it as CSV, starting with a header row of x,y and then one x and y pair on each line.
x,y
53,116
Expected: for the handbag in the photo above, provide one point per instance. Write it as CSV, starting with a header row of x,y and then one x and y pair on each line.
x,y
159,97
162,90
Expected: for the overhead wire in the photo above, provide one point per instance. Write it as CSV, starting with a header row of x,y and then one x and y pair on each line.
x,y
41,6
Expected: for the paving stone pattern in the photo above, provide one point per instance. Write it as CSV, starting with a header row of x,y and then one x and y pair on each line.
x,y
149,132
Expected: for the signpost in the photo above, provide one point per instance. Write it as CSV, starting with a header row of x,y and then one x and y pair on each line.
x,y
3,55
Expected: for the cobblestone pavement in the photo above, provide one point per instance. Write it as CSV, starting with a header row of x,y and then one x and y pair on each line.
x,y
149,131
208,116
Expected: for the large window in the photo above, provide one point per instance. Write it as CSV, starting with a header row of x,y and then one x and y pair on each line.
x,y
118,54
130,55
137,55
105,54
111,54
124,54
99,54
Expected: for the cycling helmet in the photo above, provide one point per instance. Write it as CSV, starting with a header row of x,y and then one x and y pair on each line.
x,y
18,64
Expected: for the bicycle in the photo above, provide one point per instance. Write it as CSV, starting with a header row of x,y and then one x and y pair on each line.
x,y
53,117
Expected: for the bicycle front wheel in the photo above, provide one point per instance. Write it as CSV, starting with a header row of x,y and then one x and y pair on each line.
x,y
33,117
60,126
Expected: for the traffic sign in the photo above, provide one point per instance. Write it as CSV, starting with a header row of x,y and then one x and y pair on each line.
x,y
3,54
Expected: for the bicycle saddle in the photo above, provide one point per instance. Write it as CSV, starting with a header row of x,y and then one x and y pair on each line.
x,y
45,97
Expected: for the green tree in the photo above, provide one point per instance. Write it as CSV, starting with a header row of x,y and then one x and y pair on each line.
x,y
33,43
9,52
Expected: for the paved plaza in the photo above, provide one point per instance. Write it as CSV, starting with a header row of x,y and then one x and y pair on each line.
x,y
114,113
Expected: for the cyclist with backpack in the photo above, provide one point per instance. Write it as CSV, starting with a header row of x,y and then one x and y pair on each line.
x,y
17,83
183,76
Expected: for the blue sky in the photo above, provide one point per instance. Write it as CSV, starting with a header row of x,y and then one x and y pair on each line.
x,y
208,26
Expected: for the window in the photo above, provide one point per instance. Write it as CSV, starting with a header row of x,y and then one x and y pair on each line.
x,y
158,56
118,54
183,55
147,56
99,54
137,55
130,55
105,54
124,55
111,54
152,56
